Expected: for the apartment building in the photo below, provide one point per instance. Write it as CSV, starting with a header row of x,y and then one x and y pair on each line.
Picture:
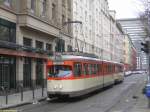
x,y
30,31
99,33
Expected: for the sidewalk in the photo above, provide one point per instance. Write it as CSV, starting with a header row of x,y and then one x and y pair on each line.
x,y
141,105
15,99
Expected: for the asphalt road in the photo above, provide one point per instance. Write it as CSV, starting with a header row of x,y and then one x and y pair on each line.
x,y
119,98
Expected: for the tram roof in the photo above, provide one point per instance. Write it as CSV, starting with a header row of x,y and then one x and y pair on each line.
x,y
73,57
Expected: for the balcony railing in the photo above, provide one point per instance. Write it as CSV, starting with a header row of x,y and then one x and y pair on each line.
x,y
14,46
9,45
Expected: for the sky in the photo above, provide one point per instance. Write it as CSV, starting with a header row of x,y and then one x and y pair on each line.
x,y
126,8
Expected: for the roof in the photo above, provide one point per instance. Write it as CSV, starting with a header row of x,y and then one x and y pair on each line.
x,y
73,57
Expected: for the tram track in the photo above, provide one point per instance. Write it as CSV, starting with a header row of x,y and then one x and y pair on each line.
x,y
103,101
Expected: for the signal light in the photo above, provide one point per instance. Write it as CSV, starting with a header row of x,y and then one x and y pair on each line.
x,y
145,47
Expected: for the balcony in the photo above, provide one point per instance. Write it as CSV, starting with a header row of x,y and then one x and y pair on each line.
x,y
8,45
31,21
9,48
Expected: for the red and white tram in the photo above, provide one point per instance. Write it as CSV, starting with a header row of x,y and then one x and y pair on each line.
x,y
71,76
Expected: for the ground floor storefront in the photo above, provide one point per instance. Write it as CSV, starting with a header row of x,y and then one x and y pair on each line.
x,y
22,71
24,51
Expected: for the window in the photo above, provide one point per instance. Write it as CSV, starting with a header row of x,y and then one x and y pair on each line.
x,y
69,4
53,11
44,7
63,19
60,71
64,3
99,68
4,35
39,45
49,47
77,69
39,72
7,2
7,31
27,72
94,69
90,69
85,69
33,5
27,42
60,45
8,72
69,48
69,27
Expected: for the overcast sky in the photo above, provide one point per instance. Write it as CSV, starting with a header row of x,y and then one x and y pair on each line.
x,y
126,8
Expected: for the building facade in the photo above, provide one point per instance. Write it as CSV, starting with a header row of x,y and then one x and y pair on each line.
x,y
30,31
130,55
99,31
136,31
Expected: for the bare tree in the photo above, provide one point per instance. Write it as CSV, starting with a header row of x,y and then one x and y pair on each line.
x,y
145,16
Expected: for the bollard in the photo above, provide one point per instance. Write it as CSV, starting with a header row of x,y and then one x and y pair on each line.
x,y
21,93
33,93
6,92
3,90
20,87
43,88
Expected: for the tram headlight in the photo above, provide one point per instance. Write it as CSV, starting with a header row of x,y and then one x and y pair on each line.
x,y
55,87
60,86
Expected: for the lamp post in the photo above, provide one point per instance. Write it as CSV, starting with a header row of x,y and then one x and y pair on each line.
x,y
70,22
61,33
148,56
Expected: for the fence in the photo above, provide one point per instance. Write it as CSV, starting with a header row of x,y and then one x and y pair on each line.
x,y
21,96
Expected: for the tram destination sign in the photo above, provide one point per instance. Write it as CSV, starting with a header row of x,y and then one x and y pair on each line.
x,y
58,63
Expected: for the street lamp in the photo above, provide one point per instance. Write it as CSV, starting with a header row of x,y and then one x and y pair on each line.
x,y
64,24
74,22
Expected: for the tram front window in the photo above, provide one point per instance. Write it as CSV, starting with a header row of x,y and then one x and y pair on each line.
x,y
60,71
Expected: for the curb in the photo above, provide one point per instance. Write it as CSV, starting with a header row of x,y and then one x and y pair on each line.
x,y
22,103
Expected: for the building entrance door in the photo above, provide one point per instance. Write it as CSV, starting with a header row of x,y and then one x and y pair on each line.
x,y
8,72
27,73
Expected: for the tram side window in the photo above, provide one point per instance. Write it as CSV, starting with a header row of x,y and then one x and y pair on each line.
x,y
116,69
120,69
95,69
77,69
85,69
90,69
99,67
108,68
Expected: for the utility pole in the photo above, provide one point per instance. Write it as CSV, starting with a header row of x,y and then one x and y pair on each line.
x,y
146,49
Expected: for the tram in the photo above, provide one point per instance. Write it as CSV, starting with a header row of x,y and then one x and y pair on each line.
x,y
71,75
